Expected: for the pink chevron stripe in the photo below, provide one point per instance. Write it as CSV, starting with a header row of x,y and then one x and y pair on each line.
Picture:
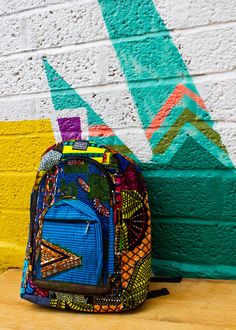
x,y
100,130
179,92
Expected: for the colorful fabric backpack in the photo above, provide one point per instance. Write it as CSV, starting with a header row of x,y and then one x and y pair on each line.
x,y
89,246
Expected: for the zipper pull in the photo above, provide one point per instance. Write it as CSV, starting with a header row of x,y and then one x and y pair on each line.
x,y
113,197
87,228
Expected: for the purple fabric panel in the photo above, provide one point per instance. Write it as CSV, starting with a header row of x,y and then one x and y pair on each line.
x,y
70,128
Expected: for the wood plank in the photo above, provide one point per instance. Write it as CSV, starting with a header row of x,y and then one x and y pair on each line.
x,y
192,305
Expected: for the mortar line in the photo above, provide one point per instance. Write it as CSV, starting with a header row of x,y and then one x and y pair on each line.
x,y
40,9
198,78
107,42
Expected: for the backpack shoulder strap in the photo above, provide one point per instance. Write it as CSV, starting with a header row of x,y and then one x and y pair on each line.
x,y
163,291
175,279
157,293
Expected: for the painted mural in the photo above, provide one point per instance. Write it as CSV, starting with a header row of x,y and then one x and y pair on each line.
x,y
172,113
157,118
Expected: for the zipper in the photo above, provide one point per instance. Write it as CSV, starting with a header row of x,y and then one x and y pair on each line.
x,y
87,228
99,243
69,220
88,222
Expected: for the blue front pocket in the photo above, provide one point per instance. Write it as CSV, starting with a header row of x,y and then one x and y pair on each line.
x,y
71,245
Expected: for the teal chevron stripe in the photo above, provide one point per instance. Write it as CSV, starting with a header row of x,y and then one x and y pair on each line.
x,y
65,97
151,56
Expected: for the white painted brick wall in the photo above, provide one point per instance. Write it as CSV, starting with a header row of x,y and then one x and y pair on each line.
x,y
75,24
13,6
73,36
194,13
12,35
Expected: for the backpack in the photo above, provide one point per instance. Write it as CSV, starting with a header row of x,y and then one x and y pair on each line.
x,y
89,246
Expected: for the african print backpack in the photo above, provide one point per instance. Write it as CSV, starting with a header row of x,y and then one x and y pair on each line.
x,y
89,246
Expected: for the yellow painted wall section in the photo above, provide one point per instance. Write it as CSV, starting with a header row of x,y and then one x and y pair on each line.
x,y
20,156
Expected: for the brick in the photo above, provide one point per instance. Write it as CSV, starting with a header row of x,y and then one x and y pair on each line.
x,y
21,75
207,51
13,6
186,14
23,153
116,107
22,116
99,65
16,190
143,17
26,73
203,52
211,242
219,97
14,226
17,110
71,25
193,242
171,268
45,109
135,140
196,194
229,202
176,15
45,126
12,35
189,156
193,196
12,254
13,128
227,132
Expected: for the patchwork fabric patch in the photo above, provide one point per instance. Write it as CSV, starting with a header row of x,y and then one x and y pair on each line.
x,y
55,259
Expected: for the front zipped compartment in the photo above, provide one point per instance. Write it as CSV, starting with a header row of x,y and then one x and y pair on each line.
x,y
71,245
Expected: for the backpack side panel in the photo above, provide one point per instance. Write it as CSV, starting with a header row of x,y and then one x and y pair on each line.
x,y
133,226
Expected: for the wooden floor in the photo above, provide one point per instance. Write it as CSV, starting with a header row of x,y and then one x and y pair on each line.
x,y
193,304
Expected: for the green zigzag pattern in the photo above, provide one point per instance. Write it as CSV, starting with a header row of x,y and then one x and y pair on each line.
x,y
65,97
152,56
185,117
142,18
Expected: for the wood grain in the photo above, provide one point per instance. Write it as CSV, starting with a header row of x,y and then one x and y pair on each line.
x,y
193,304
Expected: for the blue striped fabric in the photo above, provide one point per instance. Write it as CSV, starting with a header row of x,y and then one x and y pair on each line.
x,y
66,226
70,209
111,252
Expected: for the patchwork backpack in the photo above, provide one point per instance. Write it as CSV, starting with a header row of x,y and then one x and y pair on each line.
x,y
89,246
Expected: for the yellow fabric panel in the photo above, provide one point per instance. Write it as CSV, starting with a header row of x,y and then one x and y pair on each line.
x,y
90,150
